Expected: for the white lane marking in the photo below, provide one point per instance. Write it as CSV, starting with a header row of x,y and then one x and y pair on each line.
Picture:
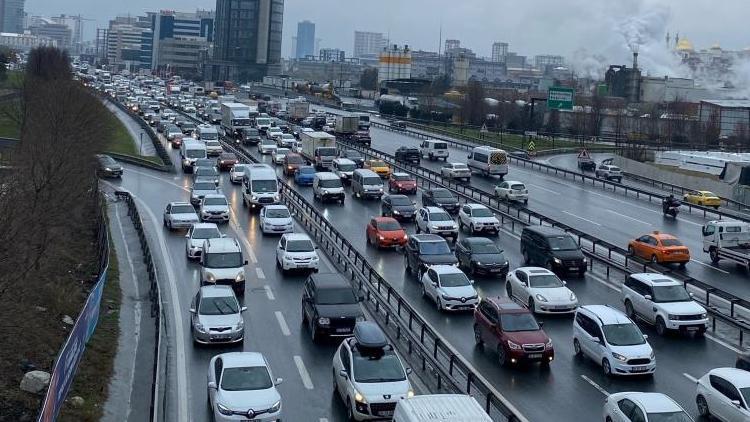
x,y
629,218
269,292
723,343
690,377
543,188
259,272
323,420
282,323
708,266
161,179
603,281
581,218
306,380
595,385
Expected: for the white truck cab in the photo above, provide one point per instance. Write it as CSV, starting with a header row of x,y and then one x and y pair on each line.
x,y
260,186
728,240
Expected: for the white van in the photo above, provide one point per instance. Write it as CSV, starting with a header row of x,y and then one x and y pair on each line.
x,y
328,186
191,150
366,183
259,186
207,133
488,161
440,408
434,149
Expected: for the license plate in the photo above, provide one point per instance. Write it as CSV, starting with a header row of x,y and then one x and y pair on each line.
x,y
386,413
535,356
250,420
343,330
640,369
692,328
573,268
495,270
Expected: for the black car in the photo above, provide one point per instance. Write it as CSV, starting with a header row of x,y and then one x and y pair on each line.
x,y
329,306
552,248
408,155
479,255
108,167
249,136
423,250
400,207
353,155
440,197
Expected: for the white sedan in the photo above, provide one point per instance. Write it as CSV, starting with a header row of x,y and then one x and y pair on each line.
x,y
512,191
458,171
279,154
541,290
275,219
449,288
646,407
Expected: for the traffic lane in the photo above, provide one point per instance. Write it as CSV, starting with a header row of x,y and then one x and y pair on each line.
x,y
267,329
523,386
614,218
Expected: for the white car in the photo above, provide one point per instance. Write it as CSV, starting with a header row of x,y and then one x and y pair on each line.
x,y
275,219
287,140
214,207
213,148
724,394
266,146
663,301
196,235
458,171
512,191
275,135
644,407
296,251
449,288
278,155
610,339
478,219
436,221
179,215
368,375
609,172
237,173
541,290
241,387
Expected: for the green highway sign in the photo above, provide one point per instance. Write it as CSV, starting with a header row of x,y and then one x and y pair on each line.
x,y
559,98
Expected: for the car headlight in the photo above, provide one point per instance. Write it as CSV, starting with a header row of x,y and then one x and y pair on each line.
x,y
396,212
548,345
381,189
324,321
653,355
275,408
276,197
513,346
380,237
224,410
585,260
359,398
704,315
254,197
619,357
287,258
410,393
557,261
573,296
240,324
361,318
406,236
107,169
477,262
240,277
210,277
540,298
673,317
199,327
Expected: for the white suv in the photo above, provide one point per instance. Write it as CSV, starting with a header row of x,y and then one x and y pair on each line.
x,y
214,207
436,220
275,219
612,340
478,218
222,263
296,251
664,302
609,172
449,288
368,374
512,191
541,290
722,393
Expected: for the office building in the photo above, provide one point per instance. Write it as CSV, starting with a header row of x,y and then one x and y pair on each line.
x,y
129,43
368,44
180,40
305,40
452,44
543,61
247,40
59,32
25,42
499,51
331,55
11,16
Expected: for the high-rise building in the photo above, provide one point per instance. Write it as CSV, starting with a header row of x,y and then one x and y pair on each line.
x,y
181,40
499,51
129,43
305,40
546,60
332,55
11,16
59,32
368,44
452,44
247,40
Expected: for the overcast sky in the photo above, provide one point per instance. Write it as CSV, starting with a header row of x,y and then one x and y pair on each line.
x,y
567,27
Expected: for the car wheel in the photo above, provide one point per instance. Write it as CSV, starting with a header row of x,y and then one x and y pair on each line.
x,y
629,311
606,367
407,267
313,332
501,358
654,260
478,337
333,381
349,411
424,292
509,289
304,315
631,250
471,229
439,304
418,229
700,401
525,256
577,348
661,326
532,305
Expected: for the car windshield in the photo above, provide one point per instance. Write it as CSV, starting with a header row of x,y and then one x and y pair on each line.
x,y
518,186
330,183
673,293
337,296
294,159
206,233
282,151
389,226
213,144
223,260
545,281
204,186
303,245
678,416
196,153
204,162
326,152
386,368
263,186
226,156
671,242
454,280
401,177
352,155
562,243
400,201
459,166
623,334
485,248
107,160
277,213
376,163
214,201
247,378
481,212
371,181
183,209
263,121
268,142
434,248
440,216
218,306
518,322
209,136
346,167
206,171
307,170
442,194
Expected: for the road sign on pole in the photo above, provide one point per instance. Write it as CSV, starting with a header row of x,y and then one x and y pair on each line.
x,y
560,98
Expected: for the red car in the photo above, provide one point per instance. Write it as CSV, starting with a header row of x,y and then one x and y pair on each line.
x,y
385,232
508,328
402,183
226,161
292,163
176,141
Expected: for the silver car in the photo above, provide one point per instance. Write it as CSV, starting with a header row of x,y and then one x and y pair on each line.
x,y
216,316
179,215
196,235
237,173
214,207
210,173
200,189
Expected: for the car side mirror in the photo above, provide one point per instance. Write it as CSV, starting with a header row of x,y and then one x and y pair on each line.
x,y
645,336
343,373
187,236
212,385
243,309
408,371
565,283
192,310
648,297
223,235
245,263
278,381
434,283
414,203
471,281
736,403
541,324
317,247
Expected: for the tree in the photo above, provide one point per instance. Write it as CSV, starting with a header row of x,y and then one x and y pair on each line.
x,y
473,108
553,122
369,79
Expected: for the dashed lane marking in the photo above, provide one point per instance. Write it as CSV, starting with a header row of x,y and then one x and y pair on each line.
x,y
595,385
269,292
581,218
690,377
282,323
259,272
306,380
709,266
629,218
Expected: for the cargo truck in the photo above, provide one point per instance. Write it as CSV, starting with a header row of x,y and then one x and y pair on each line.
x,y
298,110
319,148
727,240
234,118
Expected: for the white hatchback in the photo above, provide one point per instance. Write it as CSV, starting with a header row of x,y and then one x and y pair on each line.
x,y
296,251
541,290
275,219
449,288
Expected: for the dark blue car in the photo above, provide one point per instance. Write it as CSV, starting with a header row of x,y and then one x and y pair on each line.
x,y
304,176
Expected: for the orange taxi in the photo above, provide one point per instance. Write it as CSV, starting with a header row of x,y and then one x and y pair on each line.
x,y
378,166
385,232
660,248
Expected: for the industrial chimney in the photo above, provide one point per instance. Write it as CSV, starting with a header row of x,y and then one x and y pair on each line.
x,y
635,60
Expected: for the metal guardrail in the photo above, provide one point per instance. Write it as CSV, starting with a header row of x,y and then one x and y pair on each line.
x,y
157,403
723,307
139,162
